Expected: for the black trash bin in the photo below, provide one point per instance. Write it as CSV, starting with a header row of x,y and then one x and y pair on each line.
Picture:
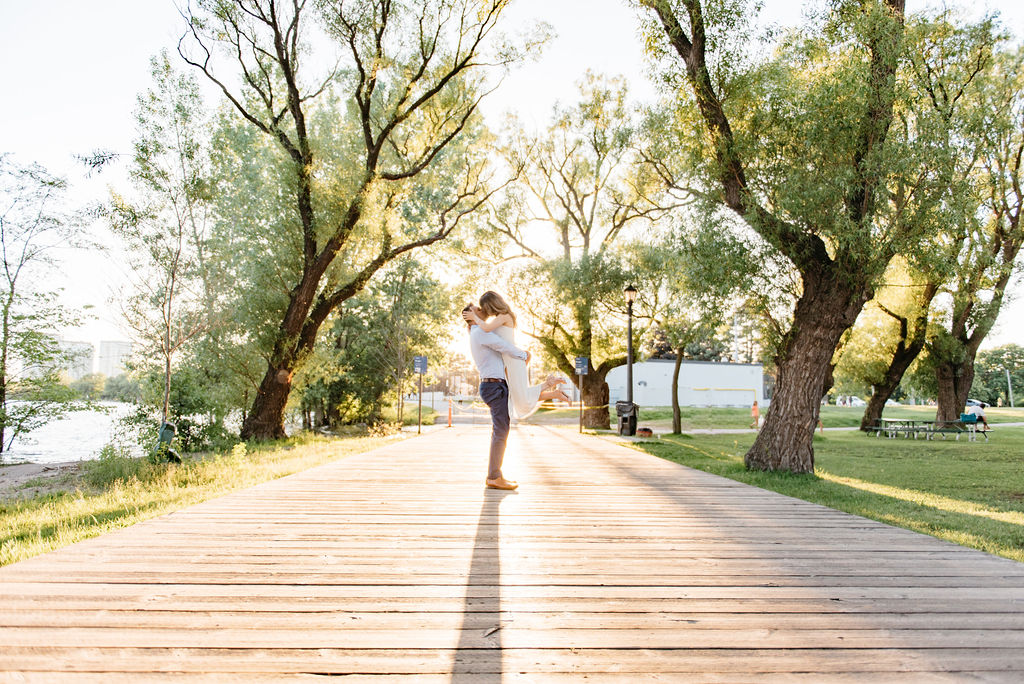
x,y
627,412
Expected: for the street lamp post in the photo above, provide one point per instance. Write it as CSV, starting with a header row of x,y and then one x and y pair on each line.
x,y
626,410
630,298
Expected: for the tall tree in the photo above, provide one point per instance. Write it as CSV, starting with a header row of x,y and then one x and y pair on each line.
x,y
580,200
166,224
799,148
412,79
695,301
947,62
33,222
990,238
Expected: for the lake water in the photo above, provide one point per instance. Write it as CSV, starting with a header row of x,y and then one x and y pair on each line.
x,y
77,437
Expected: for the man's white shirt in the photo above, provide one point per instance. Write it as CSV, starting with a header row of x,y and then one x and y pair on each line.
x,y
487,348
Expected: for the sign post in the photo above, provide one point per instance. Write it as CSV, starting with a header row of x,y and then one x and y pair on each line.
x,y
582,363
419,366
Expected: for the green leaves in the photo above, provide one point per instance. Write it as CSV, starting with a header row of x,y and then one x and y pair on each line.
x,y
33,222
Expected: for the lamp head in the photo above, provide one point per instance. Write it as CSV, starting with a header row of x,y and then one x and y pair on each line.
x,y
630,294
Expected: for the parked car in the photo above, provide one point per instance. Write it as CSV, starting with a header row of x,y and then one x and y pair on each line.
x,y
857,401
975,402
892,402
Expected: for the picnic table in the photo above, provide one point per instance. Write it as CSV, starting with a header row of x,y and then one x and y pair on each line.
x,y
912,427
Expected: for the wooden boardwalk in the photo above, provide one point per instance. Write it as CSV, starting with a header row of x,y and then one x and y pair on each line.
x,y
608,566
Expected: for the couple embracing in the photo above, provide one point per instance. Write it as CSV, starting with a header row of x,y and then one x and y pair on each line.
x,y
504,383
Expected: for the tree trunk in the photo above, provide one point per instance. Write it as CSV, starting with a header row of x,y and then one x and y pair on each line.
x,y
825,310
677,420
295,339
881,391
954,379
3,407
594,391
5,341
331,414
401,399
167,387
266,418
910,344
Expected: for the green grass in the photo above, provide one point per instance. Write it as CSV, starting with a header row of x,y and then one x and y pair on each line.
x,y
116,492
704,418
970,493
410,413
695,418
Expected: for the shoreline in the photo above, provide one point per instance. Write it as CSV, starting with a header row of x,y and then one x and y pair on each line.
x,y
28,480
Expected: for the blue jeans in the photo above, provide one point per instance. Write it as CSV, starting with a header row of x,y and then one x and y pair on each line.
x,y
495,395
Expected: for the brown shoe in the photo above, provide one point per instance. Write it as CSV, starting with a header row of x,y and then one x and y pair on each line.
x,y
502,483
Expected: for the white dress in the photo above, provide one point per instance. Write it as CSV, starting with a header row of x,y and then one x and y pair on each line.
x,y
523,398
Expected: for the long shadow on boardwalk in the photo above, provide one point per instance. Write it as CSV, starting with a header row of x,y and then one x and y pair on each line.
x,y
478,654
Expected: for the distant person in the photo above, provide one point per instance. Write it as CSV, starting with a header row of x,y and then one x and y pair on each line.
x,y
755,416
978,411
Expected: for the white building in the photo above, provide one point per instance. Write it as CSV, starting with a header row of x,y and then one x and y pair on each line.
x,y
701,383
80,356
113,354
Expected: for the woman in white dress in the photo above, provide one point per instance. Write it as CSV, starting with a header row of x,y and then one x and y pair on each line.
x,y
523,398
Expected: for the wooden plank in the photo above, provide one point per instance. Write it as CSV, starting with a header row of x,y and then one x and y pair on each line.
x,y
511,636
505,678
538,620
608,564
409,661
571,606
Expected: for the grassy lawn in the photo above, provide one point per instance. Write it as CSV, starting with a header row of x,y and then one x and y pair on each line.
x,y
831,416
115,492
703,418
971,493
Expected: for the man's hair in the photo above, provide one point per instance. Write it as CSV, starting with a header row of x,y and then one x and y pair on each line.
x,y
468,307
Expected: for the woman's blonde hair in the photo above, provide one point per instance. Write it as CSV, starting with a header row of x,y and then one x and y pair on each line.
x,y
492,304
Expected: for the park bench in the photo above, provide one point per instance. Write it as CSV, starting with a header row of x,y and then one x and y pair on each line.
x,y
969,421
892,428
950,427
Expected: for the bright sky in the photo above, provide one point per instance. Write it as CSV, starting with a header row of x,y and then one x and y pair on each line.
x,y
73,69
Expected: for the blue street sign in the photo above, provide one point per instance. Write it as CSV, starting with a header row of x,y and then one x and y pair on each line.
x,y
419,364
582,362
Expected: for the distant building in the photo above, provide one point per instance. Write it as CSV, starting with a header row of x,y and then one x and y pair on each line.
x,y
80,356
113,354
701,383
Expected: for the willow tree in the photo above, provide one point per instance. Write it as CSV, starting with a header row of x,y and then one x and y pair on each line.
x,y
573,216
411,76
888,337
989,239
798,147
963,106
